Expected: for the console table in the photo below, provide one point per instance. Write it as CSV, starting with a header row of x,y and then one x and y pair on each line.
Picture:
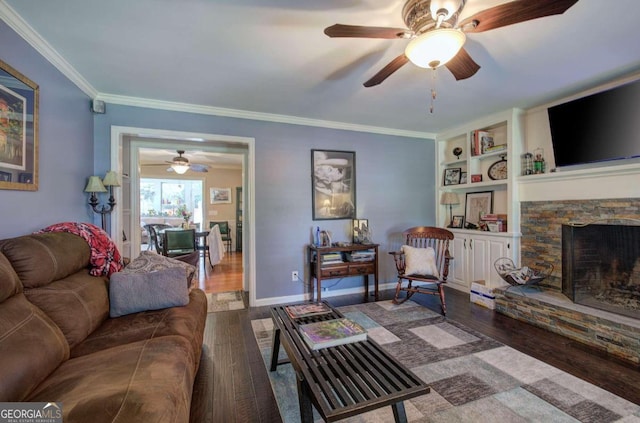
x,y
320,270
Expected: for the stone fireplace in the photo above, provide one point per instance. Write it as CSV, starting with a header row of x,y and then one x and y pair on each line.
x,y
601,266
542,242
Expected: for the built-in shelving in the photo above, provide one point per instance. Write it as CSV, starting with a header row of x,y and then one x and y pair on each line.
x,y
505,128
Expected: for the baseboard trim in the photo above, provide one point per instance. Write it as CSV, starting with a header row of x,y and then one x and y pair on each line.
x,y
325,294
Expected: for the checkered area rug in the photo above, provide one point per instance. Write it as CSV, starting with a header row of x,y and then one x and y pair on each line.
x,y
225,301
473,378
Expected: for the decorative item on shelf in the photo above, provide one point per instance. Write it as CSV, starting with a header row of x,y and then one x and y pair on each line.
x,y
498,170
449,199
457,222
527,164
463,178
457,151
452,176
476,178
361,232
477,204
95,185
538,161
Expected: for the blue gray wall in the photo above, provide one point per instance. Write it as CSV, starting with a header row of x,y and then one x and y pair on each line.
x,y
66,146
394,178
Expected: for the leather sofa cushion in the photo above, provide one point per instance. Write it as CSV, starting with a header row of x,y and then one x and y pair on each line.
x,y
40,259
187,321
78,304
146,381
10,284
31,347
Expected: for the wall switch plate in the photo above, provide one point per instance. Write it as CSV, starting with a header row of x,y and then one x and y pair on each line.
x,y
294,276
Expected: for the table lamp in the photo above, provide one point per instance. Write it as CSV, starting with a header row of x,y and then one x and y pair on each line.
x,y
449,199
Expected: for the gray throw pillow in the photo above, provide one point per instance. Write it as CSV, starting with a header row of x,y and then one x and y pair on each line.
x,y
135,292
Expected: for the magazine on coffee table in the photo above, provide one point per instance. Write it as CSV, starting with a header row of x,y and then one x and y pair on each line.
x,y
329,333
305,310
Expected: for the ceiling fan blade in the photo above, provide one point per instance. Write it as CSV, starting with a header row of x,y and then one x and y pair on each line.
x,y
199,167
385,72
462,66
355,31
514,12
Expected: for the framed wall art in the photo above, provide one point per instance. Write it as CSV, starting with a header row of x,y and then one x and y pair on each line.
x,y
452,176
457,222
18,130
333,179
220,195
477,203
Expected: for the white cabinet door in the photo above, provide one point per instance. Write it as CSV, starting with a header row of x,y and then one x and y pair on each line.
x,y
458,266
474,256
498,248
478,259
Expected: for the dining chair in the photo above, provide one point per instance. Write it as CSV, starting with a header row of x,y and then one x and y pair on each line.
x,y
178,242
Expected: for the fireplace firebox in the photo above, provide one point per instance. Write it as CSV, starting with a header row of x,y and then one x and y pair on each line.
x,y
601,267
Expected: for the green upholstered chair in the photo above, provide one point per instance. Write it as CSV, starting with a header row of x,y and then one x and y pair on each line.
x,y
178,242
225,233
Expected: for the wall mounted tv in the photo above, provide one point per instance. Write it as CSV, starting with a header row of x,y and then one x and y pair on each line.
x,y
597,128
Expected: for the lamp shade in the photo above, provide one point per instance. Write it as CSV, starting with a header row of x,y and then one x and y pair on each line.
x,y
180,168
435,48
111,179
449,198
95,185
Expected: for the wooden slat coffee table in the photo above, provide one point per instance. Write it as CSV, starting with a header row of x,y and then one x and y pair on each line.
x,y
345,380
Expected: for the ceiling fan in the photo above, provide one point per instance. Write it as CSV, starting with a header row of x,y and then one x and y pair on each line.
x,y
180,164
437,37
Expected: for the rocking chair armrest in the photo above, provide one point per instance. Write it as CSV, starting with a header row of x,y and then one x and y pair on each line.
x,y
398,259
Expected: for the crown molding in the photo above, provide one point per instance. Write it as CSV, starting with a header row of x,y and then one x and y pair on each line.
x,y
20,26
31,36
244,114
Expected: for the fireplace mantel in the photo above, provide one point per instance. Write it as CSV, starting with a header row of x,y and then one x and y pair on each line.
x,y
620,181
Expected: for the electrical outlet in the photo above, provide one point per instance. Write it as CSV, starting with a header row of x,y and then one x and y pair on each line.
x,y
294,275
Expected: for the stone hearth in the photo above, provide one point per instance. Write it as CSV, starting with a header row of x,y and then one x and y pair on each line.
x,y
541,243
617,335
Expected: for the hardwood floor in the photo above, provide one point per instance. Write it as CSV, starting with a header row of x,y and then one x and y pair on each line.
x,y
242,392
224,276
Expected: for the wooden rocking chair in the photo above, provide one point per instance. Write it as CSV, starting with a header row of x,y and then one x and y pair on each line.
x,y
416,263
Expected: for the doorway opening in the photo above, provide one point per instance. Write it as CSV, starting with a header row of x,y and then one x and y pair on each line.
x,y
125,145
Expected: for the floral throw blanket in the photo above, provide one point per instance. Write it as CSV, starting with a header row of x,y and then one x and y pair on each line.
x,y
105,257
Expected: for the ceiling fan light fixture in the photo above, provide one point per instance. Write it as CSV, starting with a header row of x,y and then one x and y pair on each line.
x,y
435,48
180,169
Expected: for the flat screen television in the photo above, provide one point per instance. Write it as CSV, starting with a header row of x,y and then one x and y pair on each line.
x,y
597,128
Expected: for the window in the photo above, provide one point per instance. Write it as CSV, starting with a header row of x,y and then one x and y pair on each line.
x,y
163,197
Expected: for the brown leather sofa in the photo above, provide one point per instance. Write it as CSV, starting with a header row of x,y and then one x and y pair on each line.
x,y
58,344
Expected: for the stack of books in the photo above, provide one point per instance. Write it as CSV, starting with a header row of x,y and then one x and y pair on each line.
x,y
332,258
329,333
365,255
480,141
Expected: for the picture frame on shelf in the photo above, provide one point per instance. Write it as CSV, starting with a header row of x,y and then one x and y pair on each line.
x,y
451,176
463,178
457,222
19,109
477,204
220,195
477,177
333,184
